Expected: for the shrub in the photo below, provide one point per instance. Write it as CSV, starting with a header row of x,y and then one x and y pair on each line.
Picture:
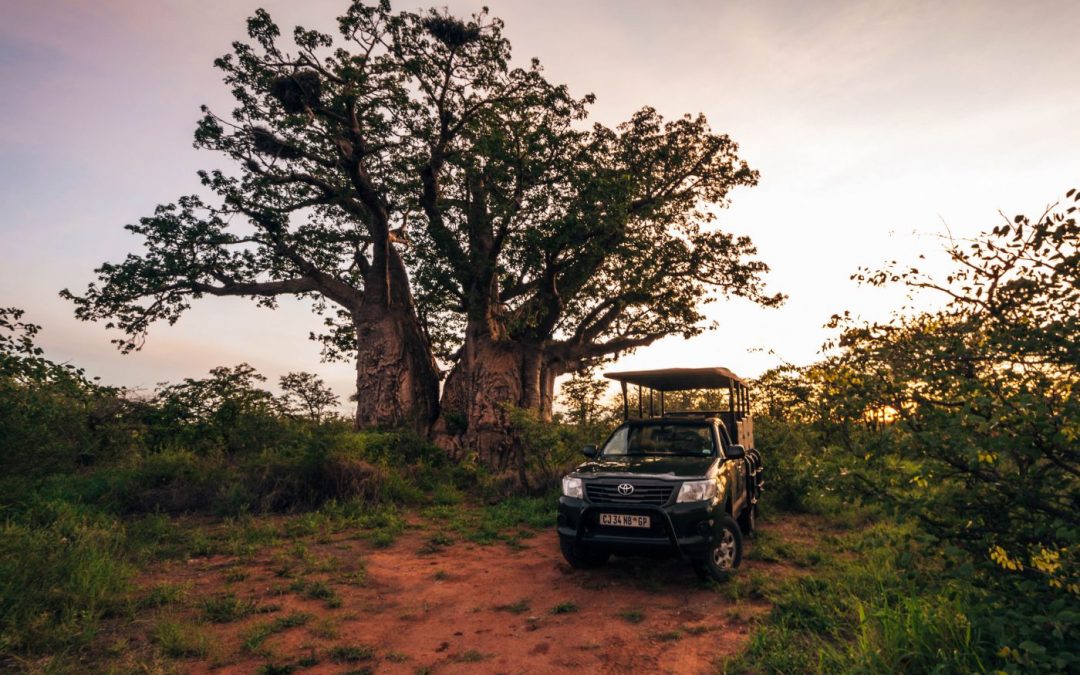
x,y
61,571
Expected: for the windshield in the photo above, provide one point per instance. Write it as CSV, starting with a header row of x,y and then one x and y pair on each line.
x,y
661,439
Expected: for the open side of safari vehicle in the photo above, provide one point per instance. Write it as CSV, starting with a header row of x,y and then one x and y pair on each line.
x,y
682,482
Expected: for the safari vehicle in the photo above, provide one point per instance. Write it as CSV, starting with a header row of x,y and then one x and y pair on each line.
x,y
683,483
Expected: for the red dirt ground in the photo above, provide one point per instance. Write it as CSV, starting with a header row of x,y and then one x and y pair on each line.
x,y
446,611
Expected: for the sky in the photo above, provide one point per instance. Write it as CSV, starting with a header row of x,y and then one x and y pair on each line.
x,y
877,127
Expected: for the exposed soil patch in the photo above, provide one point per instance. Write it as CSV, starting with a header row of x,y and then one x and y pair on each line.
x,y
430,603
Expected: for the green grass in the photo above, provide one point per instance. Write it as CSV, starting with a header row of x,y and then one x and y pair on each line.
x,y
509,521
227,607
325,628
566,607
178,639
317,590
258,633
351,653
632,615
866,610
436,543
62,569
471,656
519,607
163,595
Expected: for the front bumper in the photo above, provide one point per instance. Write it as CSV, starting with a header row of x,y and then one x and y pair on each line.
x,y
683,529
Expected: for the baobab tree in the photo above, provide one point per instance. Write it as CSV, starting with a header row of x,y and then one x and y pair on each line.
x,y
439,205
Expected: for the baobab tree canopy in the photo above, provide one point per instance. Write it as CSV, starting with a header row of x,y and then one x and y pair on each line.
x,y
438,203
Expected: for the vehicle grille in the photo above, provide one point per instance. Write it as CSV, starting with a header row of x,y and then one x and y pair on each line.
x,y
655,495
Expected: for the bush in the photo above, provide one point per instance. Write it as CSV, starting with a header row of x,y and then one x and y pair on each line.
x,y
61,570
552,449
887,609
963,421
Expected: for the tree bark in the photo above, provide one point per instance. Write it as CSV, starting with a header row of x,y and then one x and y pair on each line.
x,y
485,380
490,376
397,382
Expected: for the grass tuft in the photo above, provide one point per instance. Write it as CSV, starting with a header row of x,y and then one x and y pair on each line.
x,y
227,607
351,653
178,640
258,633
519,607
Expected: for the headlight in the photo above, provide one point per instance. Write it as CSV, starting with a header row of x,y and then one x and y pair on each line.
x,y
694,491
571,487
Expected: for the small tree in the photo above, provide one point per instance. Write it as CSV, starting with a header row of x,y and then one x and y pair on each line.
x,y
227,409
583,394
305,394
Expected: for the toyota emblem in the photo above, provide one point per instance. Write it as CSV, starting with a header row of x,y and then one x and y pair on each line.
x,y
626,489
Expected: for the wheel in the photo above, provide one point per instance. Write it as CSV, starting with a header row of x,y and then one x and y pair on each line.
x,y
725,554
582,557
748,519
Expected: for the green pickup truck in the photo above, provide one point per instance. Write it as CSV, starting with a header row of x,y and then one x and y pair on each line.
x,y
683,483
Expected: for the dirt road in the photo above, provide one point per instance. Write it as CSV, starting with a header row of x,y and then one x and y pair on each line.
x,y
431,606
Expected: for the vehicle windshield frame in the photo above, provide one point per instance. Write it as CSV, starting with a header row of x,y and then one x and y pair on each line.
x,y
631,424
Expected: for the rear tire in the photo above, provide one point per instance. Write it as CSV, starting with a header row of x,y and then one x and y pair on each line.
x,y
582,557
725,553
748,519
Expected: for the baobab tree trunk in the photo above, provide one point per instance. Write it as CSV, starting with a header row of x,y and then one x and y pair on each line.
x,y
485,380
397,382
548,373
490,377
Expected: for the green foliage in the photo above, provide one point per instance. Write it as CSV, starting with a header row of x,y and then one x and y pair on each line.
x,y
551,449
51,417
179,640
878,604
61,570
583,395
305,394
965,420
216,446
227,607
589,241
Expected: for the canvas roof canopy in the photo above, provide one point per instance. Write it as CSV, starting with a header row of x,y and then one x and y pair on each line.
x,y
677,379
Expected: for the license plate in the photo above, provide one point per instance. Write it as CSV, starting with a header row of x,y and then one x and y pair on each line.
x,y
623,520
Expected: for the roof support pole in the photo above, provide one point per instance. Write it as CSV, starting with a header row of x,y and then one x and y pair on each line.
x,y
731,398
652,413
640,403
661,403
625,402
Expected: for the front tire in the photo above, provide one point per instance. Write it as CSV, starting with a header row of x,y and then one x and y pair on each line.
x,y
725,553
582,557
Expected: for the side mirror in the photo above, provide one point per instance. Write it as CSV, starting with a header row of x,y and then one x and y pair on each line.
x,y
589,451
735,452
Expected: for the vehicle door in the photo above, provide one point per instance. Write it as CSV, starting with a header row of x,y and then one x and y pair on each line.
x,y
735,470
